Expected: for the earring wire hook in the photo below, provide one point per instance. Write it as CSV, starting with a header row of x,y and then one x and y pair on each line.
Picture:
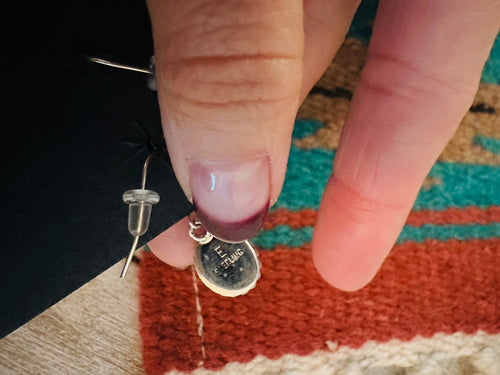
x,y
120,66
141,219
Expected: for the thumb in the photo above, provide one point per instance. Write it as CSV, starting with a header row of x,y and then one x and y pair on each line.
x,y
229,78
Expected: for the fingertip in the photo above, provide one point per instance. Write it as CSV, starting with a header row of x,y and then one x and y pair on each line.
x,y
338,273
352,236
340,265
174,246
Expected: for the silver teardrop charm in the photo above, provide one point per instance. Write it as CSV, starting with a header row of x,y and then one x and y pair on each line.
x,y
228,269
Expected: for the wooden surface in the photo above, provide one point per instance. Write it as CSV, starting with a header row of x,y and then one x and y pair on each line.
x,y
94,330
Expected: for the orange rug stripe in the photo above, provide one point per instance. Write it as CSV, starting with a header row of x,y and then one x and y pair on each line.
x,y
421,289
469,215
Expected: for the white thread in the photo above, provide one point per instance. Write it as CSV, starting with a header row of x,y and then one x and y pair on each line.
x,y
199,316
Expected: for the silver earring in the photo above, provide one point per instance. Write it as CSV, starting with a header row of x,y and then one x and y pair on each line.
x,y
228,269
140,203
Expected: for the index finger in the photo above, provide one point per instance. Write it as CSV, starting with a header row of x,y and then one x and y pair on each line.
x,y
423,68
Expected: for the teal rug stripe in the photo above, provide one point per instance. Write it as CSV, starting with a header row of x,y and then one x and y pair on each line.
x,y
491,71
305,127
362,24
461,185
448,232
306,177
490,144
284,235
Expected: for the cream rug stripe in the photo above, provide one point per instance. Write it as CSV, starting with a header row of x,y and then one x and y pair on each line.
x,y
457,354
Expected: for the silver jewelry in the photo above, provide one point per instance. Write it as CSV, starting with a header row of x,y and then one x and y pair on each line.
x,y
140,202
228,269
150,70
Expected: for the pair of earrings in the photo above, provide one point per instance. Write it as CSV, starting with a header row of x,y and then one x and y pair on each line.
x,y
228,269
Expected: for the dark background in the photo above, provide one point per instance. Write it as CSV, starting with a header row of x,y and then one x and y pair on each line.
x,y
75,137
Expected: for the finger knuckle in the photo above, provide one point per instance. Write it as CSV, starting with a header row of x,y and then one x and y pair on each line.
x,y
414,82
225,88
230,58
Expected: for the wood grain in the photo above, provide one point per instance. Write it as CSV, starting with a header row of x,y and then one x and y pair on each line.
x,y
94,330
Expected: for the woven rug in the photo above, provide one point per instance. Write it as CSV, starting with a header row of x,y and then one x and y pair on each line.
x,y
433,308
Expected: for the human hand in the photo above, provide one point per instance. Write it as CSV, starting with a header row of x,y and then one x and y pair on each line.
x,y
232,74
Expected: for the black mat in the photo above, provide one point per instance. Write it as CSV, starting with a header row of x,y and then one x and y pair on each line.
x,y
76,135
